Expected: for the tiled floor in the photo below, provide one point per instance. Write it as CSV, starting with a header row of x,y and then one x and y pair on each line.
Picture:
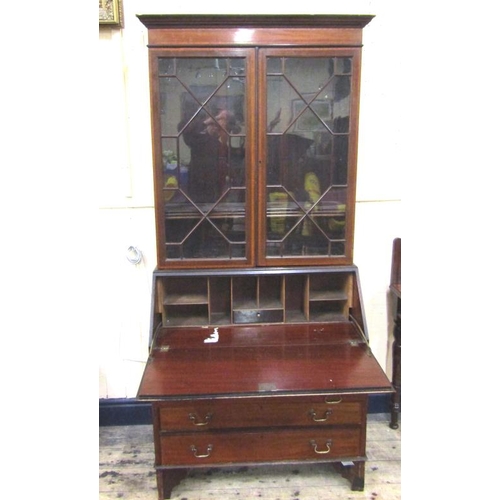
x,y
126,471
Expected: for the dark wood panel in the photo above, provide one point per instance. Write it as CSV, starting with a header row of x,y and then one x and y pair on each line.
x,y
194,21
262,370
345,37
261,412
252,30
258,315
230,447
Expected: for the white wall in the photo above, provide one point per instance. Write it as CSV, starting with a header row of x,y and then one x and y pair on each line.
x,y
126,193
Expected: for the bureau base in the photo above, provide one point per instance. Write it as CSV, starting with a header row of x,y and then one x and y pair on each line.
x,y
240,406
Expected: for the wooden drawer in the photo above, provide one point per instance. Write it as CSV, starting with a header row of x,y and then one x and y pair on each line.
x,y
258,316
265,446
202,415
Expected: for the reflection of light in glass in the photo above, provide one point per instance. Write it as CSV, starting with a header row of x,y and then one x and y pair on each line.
x,y
243,35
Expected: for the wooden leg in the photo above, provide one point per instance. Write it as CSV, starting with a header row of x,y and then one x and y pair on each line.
x,y
160,480
355,473
358,476
396,371
167,480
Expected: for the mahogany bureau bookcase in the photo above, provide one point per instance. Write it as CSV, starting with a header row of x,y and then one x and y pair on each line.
x,y
259,350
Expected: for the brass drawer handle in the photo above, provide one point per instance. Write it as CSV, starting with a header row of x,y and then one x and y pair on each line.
x,y
335,402
207,454
321,452
195,419
324,419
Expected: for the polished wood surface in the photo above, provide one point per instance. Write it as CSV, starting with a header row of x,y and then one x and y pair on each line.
x,y
263,446
234,413
258,335
262,30
268,36
262,370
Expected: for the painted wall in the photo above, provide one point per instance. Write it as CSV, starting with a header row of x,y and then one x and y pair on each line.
x,y
126,215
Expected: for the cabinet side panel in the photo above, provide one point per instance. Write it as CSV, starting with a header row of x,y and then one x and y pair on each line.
x,y
357,309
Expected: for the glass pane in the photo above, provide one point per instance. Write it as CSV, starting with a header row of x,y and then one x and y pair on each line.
x,y
203,131
343,65
308,75
308,106
166,66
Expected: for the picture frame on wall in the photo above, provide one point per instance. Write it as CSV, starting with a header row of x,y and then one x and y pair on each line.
x,y
110,13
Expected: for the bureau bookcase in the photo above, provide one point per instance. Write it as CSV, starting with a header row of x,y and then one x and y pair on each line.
x,y
259,351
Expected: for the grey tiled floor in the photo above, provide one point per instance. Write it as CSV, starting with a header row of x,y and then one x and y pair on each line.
x,y
126,471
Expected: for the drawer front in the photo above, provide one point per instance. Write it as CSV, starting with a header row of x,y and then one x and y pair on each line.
x,y
205,415
266,446
258,316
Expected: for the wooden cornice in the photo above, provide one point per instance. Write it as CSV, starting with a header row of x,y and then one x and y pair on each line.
x,y
253,21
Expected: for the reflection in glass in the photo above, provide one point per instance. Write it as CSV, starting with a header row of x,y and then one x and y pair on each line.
x,y
308,108
202,124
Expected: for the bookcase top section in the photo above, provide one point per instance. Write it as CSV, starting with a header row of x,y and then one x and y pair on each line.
x,y
152,21
254,30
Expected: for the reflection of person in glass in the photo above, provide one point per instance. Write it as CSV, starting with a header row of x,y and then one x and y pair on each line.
x,y
212,157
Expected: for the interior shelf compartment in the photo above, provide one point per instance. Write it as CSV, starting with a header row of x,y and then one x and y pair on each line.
x,y
328,296
244,292
320,311
220,300
186,315
262,292
257,299
185,291
185,301
328,283
270,292
295,288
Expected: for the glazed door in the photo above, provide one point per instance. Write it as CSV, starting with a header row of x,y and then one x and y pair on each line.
x,y
203,128
308,112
